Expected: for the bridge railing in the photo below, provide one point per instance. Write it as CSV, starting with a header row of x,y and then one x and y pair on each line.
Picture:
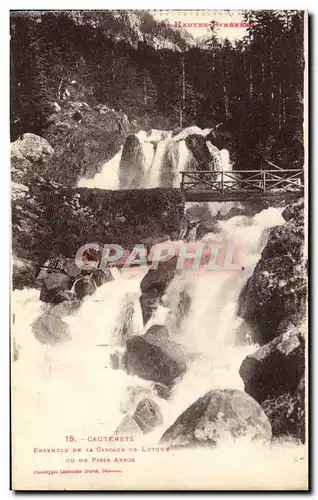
x,y
249,181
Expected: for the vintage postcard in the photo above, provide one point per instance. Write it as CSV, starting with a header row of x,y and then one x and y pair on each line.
x,y
159,250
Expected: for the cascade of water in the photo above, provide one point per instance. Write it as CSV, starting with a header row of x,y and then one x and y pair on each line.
x,y
161,160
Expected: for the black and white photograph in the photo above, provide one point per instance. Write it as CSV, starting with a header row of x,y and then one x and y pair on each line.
x,y
159,250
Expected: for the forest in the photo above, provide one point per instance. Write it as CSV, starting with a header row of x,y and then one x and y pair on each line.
x,y
250,90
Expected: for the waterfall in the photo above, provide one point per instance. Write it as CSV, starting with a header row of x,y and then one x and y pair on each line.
x,y
153,159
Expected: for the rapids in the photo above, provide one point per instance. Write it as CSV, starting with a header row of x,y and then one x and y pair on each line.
x,y
72,388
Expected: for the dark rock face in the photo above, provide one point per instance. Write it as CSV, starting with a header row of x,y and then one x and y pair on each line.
x,y
286,413
218,415
85,285
153,287
198,147
155,358
169,166
275,296
276,368
55,278
53,220
60,279
131,168
87,137
102,276
200,218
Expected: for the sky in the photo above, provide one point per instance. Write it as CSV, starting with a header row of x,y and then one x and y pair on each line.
x,y
201,16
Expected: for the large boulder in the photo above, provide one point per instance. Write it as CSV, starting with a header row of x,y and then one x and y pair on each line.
x,y
153,357
23,273
275,297
50,328
220,414
286,413
32,147
154,285
276,368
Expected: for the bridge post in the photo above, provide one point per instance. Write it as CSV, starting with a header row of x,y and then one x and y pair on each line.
x,y
222,182
264,181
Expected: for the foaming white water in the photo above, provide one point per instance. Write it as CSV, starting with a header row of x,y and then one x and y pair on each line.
x,y
152,177
108,178
225,157
73,389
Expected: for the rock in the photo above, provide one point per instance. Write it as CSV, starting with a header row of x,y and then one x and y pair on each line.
x,y
23,273
169,164
57,275
185,132
88,138
77,116
55,283
156,359
153,287
156,332
162,391
102,276
18,191
207,227
276,294
131,166
50,328
32,147
276,368
147,415
55,107
198,213
128,427
286,413
84,285
295,212
197,145
233,212
20,167
220,414
176,131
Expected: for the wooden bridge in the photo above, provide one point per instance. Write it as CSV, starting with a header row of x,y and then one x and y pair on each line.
x,y
242,185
